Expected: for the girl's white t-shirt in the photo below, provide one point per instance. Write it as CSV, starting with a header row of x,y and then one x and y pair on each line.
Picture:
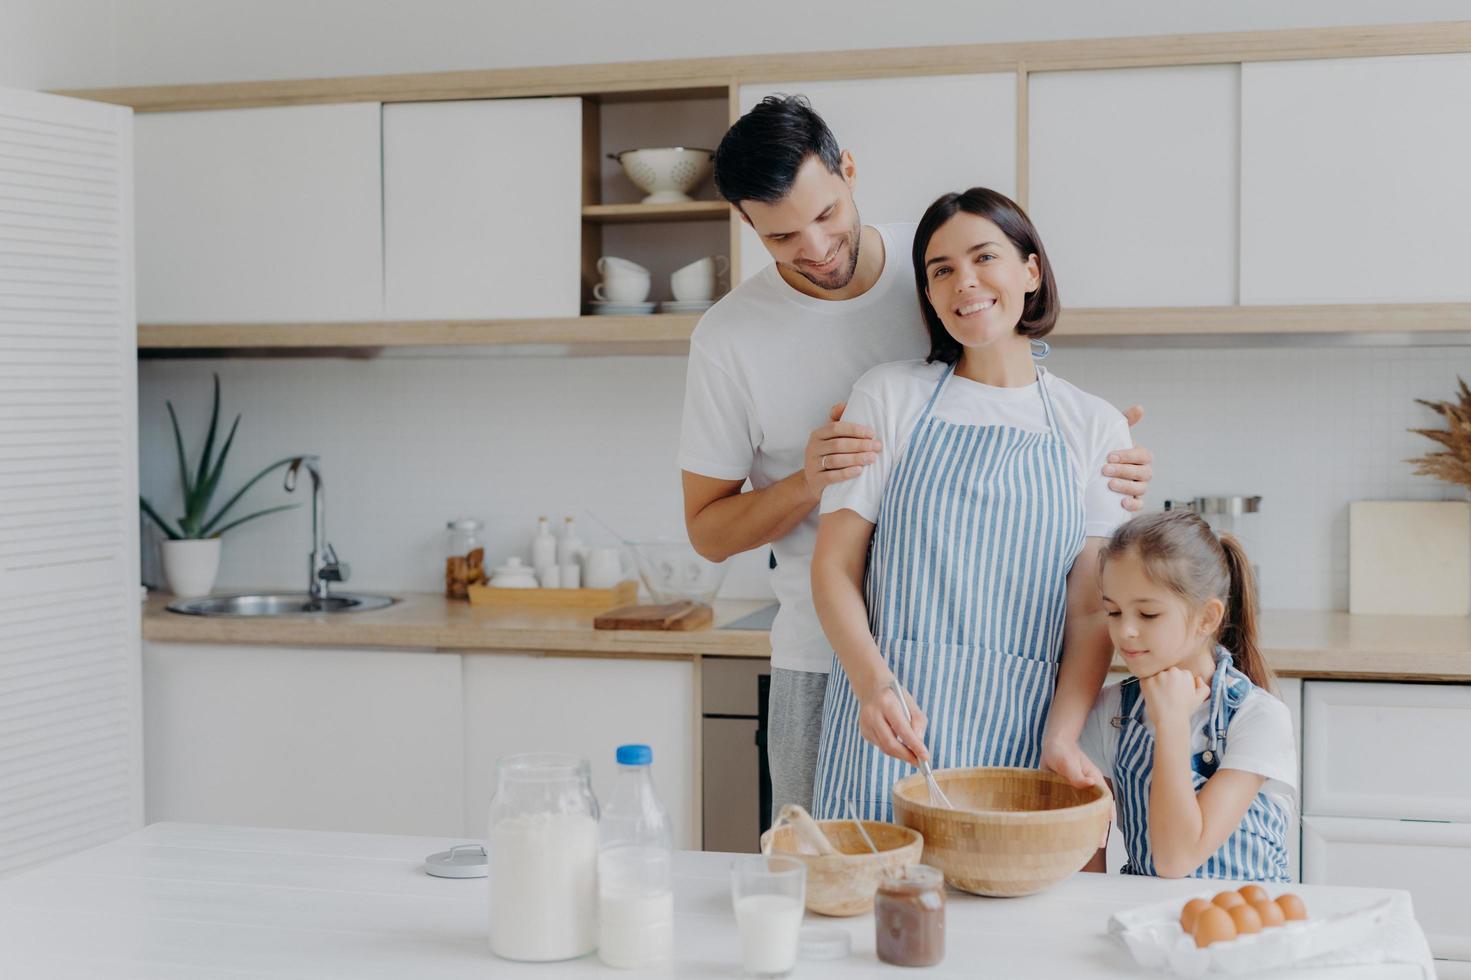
x,y
891,397
1258,739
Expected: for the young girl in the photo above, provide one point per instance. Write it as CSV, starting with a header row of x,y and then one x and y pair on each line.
x,y
958,570
1198,751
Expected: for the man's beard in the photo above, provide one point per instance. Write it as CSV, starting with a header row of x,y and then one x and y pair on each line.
x,y
843,274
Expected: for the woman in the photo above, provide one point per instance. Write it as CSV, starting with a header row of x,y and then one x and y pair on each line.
x,y
961,564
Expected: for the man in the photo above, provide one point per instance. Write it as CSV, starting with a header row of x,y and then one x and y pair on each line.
x,y
780,354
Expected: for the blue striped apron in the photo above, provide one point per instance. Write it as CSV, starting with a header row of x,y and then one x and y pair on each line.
x,y
967,591
1255,851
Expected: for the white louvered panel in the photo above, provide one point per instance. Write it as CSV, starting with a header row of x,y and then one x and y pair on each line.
x,y
70,735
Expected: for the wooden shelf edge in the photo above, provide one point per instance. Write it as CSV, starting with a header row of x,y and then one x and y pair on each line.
x,y
1338,318
646,213
656,328
613,331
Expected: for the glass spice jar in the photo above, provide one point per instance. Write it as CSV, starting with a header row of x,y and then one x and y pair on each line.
x,y
464,563
909,917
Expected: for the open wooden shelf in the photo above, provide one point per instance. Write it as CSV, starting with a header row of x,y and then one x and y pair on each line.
x,y
636,214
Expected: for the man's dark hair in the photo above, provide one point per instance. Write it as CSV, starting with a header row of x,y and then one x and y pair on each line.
x,y
760,155
1039,314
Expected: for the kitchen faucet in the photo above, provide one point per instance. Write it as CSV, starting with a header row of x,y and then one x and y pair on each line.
x,y
324,566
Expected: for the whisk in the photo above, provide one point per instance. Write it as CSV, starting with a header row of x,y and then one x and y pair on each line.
x,y
937,795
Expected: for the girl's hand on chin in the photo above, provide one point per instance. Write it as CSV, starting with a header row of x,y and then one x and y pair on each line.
x,y
1173,694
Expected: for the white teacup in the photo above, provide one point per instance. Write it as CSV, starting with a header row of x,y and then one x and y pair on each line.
x,y
623,289
608,264
696,282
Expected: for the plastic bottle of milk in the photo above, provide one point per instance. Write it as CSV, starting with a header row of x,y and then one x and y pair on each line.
x,y
635,887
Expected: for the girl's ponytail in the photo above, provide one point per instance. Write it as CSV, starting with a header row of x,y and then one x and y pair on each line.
x,y
1239,630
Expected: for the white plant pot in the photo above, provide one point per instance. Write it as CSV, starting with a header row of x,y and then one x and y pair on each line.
x,y
190,567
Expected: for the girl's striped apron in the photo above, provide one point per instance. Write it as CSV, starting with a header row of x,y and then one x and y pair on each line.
x,y
1255,851
967,590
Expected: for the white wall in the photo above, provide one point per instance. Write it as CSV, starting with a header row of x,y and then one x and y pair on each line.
x,y
48,44
410,443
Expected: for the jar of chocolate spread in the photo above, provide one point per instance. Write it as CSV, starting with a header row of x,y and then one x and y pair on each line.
x,y
909,917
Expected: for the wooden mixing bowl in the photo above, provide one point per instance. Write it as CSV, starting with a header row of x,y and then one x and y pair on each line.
x,y
845,883
1012,832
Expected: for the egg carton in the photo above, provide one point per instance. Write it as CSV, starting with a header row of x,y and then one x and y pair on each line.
x,y
1384,931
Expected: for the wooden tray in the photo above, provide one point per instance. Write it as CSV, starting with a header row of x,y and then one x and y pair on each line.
x,y
619,595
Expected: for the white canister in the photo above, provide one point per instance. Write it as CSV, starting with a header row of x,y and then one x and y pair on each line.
x,y
602,568
542,856
513,575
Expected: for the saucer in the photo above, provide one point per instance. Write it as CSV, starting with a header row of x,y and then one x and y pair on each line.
x,y
686,306
599,308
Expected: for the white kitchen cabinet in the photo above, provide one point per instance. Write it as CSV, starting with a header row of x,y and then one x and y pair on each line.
x,y
1353,180
1430,860
482,208
320,739
912,139
589,707
1133,183
1387,750
264,214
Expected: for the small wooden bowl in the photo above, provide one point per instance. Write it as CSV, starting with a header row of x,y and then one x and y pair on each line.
x,y
1012,832
845,883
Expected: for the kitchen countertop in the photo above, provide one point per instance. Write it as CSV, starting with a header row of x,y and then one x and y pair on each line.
x,y
1308,644
175,901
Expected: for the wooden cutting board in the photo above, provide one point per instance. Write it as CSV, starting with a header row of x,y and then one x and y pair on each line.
x,y
684,615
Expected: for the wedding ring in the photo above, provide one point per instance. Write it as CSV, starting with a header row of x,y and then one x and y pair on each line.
x,y
824,461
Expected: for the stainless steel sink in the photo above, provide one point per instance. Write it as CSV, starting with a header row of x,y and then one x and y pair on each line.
x,y
278,604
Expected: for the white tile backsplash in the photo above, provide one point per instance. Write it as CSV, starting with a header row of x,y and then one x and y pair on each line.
x,y
409,443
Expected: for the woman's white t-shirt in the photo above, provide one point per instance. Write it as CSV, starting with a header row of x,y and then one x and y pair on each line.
x,y
891,397
1258,739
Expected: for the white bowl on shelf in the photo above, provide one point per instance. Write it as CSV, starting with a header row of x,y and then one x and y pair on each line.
x,y
666,173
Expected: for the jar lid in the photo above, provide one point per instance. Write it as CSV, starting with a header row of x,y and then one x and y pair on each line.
x,y
915,877
513,566
465,524
823,943
460,861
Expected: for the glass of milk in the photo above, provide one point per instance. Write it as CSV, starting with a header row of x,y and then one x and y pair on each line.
x,y
769,894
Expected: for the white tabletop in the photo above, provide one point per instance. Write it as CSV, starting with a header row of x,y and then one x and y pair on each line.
x,y
193,901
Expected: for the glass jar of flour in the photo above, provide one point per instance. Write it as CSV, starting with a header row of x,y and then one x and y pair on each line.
x,y
542,851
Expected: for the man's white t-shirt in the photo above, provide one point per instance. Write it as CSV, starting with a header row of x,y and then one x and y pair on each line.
x,y
891,397
767,363
1258,739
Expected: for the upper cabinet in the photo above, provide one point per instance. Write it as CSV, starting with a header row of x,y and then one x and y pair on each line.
x,y
1133,183
912,140
482,208
1354,180
266,214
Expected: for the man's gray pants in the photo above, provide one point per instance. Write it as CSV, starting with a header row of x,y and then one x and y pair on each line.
x,y
793,735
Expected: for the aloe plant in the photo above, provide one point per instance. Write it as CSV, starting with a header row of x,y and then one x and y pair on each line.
x,y
199,489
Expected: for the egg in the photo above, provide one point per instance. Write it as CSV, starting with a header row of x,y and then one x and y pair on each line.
x,y
1246,919
1254,894
1270,912
1228,900
1214,925
1192,911
1292,907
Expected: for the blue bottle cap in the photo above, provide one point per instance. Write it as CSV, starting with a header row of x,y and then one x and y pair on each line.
x,y
635,755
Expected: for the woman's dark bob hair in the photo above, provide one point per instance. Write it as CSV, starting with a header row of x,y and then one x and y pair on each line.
x,y
1039,315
